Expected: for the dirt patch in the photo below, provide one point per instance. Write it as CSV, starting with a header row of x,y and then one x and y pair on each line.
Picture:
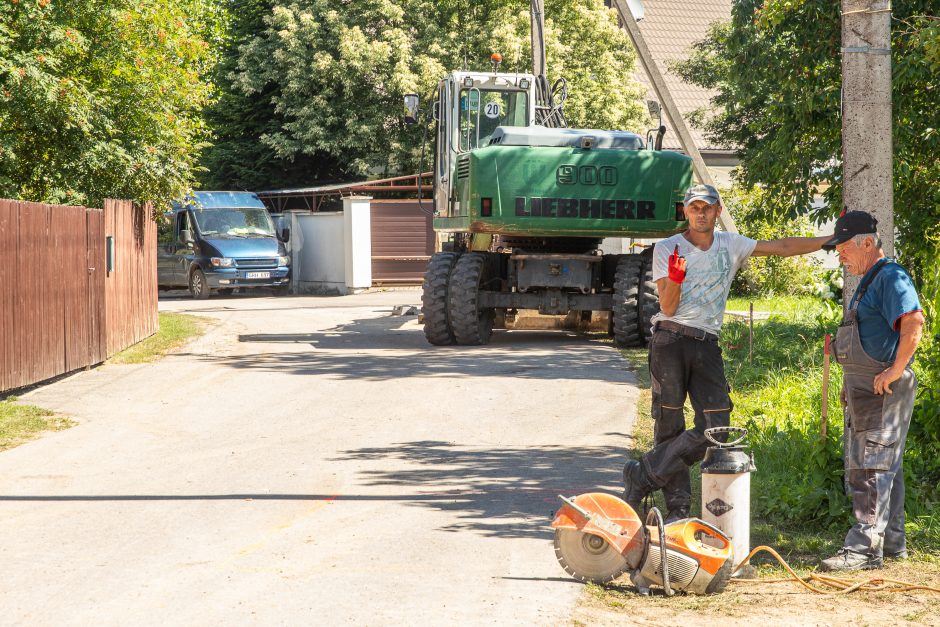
x,y
770,604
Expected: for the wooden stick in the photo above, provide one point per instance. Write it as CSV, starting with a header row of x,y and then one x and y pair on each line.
x,y
750,338
824,421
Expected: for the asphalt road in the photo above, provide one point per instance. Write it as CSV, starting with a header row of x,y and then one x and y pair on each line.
x,y
311,461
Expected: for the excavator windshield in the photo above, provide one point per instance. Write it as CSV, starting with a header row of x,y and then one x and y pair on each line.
x,y
482,110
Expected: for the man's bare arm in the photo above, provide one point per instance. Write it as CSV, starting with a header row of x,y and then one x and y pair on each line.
x,y
912,330
669,293
789,246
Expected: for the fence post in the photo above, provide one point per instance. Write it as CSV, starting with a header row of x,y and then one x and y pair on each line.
x,y
357,234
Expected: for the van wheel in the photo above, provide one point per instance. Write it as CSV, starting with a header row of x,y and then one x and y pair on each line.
x,y
198,286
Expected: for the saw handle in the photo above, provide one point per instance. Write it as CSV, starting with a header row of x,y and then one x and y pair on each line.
x,y
711,531
655,516
741,433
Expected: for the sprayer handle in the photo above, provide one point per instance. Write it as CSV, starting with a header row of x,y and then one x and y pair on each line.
x,y
740,431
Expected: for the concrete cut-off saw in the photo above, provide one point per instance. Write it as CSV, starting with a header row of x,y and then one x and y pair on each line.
x,y
599,537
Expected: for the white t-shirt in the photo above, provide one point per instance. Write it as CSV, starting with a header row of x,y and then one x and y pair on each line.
x,y
708,276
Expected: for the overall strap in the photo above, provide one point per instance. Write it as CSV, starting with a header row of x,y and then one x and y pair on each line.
x,y
860,292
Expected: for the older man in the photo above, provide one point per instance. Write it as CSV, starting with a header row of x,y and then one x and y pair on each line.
x,y
875,346
693,272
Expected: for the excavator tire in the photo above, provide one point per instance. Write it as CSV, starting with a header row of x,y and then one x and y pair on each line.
x,y
471,324
437,278
649,297
626,311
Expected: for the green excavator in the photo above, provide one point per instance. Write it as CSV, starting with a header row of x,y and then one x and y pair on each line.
x,y
524,203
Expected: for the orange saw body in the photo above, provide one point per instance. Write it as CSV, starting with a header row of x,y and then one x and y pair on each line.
x,y
599,537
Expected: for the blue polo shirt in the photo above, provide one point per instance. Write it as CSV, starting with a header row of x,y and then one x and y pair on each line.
x,y
890,296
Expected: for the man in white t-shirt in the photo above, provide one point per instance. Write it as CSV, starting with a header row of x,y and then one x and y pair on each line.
x,y
693,271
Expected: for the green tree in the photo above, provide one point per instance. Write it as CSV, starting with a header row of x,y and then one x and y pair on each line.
x,y
328,77
103,98
237,158
777,71
771,276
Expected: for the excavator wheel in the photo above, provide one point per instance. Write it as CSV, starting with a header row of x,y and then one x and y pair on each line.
x,y
648,298
626,318
437,325
471,324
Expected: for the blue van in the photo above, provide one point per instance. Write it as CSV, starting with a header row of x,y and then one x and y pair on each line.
x,y
221,241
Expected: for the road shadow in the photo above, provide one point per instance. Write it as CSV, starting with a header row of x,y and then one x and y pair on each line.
x,y
497,492
183,294
388,347
503,492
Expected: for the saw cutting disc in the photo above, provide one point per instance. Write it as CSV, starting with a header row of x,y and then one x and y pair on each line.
x,y
588,557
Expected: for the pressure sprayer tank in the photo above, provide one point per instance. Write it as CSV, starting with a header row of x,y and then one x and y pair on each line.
x,y
726,490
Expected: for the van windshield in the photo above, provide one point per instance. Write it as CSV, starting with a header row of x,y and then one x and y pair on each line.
x,y
239,222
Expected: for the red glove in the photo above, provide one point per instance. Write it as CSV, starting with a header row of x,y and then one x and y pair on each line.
x,y
676,266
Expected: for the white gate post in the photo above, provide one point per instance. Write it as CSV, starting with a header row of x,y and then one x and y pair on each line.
x,y
296,250
357,233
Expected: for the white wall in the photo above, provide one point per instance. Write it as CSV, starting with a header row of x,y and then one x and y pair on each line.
x,y
318,253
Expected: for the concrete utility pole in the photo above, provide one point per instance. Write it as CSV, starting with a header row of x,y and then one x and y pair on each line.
x,y
665,98
537,33
867,148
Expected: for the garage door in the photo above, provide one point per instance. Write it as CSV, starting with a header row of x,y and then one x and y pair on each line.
x,y
402,241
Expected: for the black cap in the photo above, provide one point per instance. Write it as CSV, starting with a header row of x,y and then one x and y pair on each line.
x,y
850,224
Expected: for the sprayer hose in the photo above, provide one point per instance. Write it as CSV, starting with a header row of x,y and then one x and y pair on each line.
x,y
842,586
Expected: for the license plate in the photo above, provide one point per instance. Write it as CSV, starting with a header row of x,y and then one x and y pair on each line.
x,y
257,275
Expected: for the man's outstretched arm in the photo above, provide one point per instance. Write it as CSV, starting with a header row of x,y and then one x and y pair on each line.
x,y
789,246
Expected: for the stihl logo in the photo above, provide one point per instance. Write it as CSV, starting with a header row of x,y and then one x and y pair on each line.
x,y
585,208
718,507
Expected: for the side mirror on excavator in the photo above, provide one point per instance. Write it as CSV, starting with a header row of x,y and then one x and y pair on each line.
x,y
412,107
656,111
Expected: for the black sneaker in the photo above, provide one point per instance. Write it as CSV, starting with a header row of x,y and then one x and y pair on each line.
x,y
636,485
679,513
850,560
896,555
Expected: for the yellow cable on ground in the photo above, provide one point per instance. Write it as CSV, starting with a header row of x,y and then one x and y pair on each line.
x,y
842,586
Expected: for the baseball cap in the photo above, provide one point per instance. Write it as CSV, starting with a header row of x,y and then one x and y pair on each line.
x,y
701,192
850,224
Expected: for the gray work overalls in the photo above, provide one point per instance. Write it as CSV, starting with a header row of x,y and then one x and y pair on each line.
x,y
875,431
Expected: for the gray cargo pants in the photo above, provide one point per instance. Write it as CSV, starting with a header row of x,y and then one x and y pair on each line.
x,y
875,433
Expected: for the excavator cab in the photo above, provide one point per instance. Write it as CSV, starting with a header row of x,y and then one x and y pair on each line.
x,y
470,106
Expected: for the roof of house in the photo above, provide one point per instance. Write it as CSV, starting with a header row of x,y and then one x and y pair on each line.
x,y
670,28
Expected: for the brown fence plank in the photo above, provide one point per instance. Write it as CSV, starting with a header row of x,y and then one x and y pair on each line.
x,y
96,287
74,290
56,276
28,355
9,239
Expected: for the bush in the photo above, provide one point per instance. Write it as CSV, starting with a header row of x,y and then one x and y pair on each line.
x,y
772,276
777,398
923,450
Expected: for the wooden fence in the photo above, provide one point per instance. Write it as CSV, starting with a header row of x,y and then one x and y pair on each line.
x,y
60,307
131,284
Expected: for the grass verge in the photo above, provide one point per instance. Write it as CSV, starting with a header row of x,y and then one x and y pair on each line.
x,y
175,330
21,423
